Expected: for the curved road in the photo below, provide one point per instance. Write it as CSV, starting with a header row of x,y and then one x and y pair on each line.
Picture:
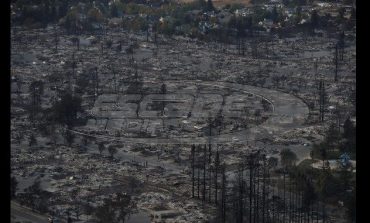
x,y
22,214
288,112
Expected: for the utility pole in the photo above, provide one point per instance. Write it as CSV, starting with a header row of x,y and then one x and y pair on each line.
x,y
210,171
223,194
56,38
322,100
273,202
241,194
336,63
198,180
204,172
147,28
96,81
238,45
115,81
290,200
250,165
73,73
257,194
315,69
284,212
35,103
217,163
264,189
192,167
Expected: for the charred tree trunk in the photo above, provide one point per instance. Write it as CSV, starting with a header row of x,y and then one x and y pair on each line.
x,y
193,169
264,191
290,200
318,211
301,218
217,163
336,63
278,195
56,39
243,46
273,203
295,204
322,100
257,194
241,195
223,194
323,212
250,165
198,181
284,211
96,78
204,172
210,172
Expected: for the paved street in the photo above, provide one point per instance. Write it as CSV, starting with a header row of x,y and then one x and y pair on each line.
x,y
21,214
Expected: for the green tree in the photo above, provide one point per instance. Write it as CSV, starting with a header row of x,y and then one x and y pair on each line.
x,y
95,15
69,137
101,147
350,204
353,14
66,110
210,6
274,15
298,14
341,12
114,10
202,4
85,141
287,158
314,19
309,194
114,210
13,186
109,43
130,51
123,201
105,213
273,162
18,138
36,90
332,136
34,197
345,177
112,150
319,151
327,185
349,130
32,140
70,20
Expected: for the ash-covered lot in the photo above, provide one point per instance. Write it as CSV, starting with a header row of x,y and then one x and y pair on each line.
x,y
145,107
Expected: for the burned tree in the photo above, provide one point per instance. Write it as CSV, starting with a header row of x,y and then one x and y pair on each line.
x,y
112,150
36,89
210,170
336,63
223,194
204,172
101,147
56,38
322,100
163,92
217,164
96,83
193,169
